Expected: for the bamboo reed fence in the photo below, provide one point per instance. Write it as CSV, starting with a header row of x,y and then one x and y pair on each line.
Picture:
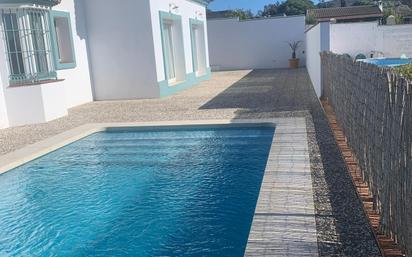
x,y
373,105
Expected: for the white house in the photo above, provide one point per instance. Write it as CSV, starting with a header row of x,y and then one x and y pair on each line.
x,y
56,54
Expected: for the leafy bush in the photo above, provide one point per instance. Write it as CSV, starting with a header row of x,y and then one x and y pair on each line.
x,y
405,70
310,19
242,14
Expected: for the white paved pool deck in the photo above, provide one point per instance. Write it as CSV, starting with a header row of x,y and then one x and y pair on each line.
x,y
284,221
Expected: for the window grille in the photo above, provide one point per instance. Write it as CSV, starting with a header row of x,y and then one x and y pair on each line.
x,y
26,33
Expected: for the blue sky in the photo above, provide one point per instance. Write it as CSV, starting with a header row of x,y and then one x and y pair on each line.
x,y
254,5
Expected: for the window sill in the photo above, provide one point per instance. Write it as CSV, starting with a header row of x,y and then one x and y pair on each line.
x,y
175,83
41,82
200,74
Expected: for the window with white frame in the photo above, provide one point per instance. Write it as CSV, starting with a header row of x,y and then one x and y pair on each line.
x,y
26,33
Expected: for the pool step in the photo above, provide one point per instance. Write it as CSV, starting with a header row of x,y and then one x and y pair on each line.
x,y
387,245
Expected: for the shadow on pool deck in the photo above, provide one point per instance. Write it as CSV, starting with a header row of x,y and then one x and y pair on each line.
x,y
267,91
343,229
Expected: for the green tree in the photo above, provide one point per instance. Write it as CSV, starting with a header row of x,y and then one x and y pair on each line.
x,y
362,2
295,7
269,10
241,14
405,70
325,4
288,7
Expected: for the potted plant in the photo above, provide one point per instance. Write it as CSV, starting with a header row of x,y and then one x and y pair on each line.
x,y
294,62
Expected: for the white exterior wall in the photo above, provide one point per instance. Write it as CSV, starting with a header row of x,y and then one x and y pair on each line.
x,y
121,49
317,40
364,37
313,57
254,44
77,83
187,10
4,120
396,40
353,38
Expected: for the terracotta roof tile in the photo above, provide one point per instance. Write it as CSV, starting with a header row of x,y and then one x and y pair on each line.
x,y
345,12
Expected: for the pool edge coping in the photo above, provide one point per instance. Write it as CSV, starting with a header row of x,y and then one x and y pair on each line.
x,y
284,221
33,151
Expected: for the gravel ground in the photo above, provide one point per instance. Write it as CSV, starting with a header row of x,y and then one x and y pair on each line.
x,y
342,227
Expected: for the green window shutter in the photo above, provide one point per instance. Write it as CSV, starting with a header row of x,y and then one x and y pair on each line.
x,y
62,40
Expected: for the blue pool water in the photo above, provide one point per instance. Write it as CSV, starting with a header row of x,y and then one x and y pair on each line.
x,y
388,62
160,193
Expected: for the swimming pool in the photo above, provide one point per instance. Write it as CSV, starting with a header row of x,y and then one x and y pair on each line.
x,y
388,62
186,192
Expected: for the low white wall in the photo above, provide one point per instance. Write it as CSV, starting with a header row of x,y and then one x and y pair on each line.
x,y
35,104
186,9
317,40
365,37
25,105
121,49
254,44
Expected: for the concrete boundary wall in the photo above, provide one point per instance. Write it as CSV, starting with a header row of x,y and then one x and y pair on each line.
x,y
354,38
254,44
369,37
317,40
